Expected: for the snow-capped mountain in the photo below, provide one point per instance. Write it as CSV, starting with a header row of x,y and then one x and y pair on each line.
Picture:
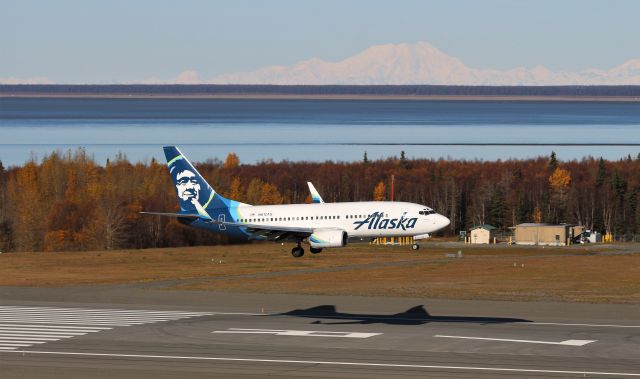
x,y
422,63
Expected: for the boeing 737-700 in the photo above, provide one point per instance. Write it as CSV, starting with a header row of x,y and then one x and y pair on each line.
x,y
322,225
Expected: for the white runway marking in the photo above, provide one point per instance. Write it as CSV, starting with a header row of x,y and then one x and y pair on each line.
x,y
28,326
330,363
590,325
297,333
564,343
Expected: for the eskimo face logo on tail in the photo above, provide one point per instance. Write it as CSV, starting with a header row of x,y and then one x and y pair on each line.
x,y
187,186
376,221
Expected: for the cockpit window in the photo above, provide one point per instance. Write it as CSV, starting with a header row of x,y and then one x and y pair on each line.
x,y
426,212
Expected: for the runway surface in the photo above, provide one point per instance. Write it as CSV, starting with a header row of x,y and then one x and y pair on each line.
x,y
125,331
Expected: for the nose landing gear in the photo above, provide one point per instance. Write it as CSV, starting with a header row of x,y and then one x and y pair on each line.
x,y
415,246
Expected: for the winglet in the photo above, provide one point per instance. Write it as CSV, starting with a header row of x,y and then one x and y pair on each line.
x,y
315,196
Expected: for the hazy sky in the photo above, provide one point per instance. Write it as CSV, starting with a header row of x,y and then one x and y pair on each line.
x,y
100,41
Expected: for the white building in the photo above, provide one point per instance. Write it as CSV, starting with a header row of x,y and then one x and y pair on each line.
x,y
482,234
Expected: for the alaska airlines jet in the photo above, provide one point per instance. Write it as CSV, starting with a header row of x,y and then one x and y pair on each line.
x,y
322,225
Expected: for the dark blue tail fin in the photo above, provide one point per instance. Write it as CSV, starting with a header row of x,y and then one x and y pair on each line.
x,y
190,185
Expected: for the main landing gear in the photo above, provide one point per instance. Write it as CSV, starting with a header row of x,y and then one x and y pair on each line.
x,y
315,250
298,251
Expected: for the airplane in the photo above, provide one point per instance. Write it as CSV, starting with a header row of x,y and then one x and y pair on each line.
x,y
322,225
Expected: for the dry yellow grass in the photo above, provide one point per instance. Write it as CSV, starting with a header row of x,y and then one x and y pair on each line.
x,y
598,279
128,266
552,274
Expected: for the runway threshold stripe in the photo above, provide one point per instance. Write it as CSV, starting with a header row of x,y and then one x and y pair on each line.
x,y
41,312
98,310
329,363
4,337
87,315
53,325
45,331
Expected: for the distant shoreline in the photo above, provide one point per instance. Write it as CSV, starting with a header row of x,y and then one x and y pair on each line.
x,y
327,92
269,96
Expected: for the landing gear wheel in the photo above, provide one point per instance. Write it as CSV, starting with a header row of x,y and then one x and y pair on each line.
x,y
297,251
314,250
415,246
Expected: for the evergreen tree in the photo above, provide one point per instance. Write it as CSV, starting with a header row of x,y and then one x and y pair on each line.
x,y
553,162
602,173
404,163
496,209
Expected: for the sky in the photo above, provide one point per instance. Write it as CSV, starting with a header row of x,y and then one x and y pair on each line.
x,y
116,41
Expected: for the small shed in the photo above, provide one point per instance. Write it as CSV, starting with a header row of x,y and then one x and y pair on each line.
x,y
543,234
482,234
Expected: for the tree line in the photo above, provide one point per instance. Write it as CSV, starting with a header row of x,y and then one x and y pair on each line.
x,y
67,201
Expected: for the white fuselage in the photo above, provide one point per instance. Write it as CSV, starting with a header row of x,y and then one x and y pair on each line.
x,y
368,219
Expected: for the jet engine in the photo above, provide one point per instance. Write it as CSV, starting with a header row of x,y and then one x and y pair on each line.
x,y
328,238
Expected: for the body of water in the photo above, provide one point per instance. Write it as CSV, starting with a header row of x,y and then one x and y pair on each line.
x,y
317,130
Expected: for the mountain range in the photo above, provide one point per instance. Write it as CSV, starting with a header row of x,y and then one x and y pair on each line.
x,y
422,63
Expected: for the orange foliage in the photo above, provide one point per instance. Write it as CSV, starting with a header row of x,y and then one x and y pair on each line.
x,y
232,161
560,180
380,192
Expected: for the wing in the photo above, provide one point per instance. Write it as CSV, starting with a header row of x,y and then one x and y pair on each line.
x,y
255,231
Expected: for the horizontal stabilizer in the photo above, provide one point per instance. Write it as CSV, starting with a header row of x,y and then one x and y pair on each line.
x,y
183,215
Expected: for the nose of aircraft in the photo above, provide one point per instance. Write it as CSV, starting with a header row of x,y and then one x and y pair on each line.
x,y
443,221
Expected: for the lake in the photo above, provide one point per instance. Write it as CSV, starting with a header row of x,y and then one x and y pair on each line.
x,y
317,130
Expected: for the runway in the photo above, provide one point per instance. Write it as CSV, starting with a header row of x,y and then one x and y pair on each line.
x,y
124,331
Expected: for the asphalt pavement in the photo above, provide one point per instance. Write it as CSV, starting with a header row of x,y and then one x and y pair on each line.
x,y
135,332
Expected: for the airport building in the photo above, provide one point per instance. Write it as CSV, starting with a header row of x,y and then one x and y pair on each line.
x,y
546,234
482,234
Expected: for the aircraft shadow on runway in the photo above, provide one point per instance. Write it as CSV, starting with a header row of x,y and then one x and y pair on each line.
x,y
417,315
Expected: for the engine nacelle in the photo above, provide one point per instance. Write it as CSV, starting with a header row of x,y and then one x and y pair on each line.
x,y
328,238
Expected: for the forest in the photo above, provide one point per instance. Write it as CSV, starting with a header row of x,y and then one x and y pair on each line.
x,y
68,201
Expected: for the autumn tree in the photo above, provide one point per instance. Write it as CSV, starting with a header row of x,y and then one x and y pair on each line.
x,y
254,191
380,192
28,209
235,190
269,194
559,183
232,161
